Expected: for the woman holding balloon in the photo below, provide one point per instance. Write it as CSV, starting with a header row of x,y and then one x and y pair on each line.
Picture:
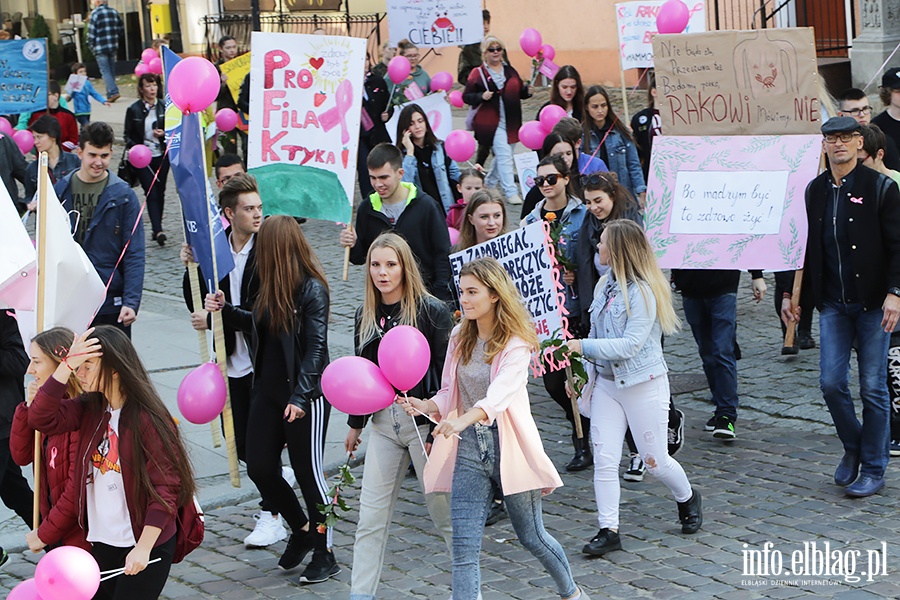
x,y
395,296
289,348
132,468
567,92
487,436
425,163
406,72
145,126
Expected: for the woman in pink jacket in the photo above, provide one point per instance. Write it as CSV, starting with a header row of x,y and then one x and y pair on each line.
x,y
486,432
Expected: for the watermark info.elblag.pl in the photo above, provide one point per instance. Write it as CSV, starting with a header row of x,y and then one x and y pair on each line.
x,y
814,563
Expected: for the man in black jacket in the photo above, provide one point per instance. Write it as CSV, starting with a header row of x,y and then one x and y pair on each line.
x,y
400,206
851,274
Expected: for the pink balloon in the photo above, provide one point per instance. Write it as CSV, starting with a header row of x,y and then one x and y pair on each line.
x,y
141,69
149,54
404,356
24,140
399,68
454,235
67,573
5,127
550,116
226,119
441,81
532,135
456,99
27,590
201,395
155,66
548,51
530,41
460,145
139,156
673,17
356,386
193,84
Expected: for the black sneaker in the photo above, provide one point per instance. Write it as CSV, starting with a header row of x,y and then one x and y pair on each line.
x,y
322,567
724,428
894,449
711,424
675,431
605,541
496,513
690,513
298,546
806,341
635,470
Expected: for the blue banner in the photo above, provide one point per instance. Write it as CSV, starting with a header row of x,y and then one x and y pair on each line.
x,y
184,138
23,76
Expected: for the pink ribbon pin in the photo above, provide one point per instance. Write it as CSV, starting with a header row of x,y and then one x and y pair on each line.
x,y
855,200
343,98
53,457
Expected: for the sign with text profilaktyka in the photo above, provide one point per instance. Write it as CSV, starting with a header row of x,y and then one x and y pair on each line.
x,y
305,103
435,23
730,202
636,22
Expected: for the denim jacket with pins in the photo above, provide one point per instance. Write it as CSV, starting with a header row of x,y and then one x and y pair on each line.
x,y
622,158
622,347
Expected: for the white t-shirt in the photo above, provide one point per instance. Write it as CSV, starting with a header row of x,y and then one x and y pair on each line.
x,y
239,363
109,521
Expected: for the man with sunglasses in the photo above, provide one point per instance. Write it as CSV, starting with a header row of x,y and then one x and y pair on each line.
x,y
851,275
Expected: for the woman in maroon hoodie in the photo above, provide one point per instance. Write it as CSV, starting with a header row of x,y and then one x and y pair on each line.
x,y
58,490
131,458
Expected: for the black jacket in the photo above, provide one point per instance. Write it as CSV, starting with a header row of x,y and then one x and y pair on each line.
x,y
249,291
376,101
135,115
434,321
708,283
305,346
13,364
13,167
424,227
873,227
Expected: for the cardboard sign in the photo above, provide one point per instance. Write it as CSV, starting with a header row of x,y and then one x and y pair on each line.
x,y
434,23
23,76
436,108
305,113
637,26
236,69
761,82
526,168
730,202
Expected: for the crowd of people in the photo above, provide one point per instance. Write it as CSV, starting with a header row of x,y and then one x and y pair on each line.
x,y
119,471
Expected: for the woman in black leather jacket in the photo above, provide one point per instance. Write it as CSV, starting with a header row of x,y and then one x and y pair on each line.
x,y
289,349
145,124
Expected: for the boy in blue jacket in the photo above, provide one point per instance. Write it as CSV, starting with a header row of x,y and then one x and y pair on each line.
x,y
81,99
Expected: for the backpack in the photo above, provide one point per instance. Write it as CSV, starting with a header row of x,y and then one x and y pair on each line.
x,y
189,529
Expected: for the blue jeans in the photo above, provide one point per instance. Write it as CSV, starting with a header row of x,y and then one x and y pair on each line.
x,y
107,64
713,322
477,465
503,169
839,325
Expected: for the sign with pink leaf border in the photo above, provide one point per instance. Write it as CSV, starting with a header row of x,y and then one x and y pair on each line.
x,y
730,202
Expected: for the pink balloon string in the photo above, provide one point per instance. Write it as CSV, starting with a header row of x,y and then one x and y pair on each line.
x,y
343,98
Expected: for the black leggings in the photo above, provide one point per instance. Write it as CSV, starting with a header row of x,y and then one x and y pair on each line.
x,y
156,199
267,432
146,585
241,389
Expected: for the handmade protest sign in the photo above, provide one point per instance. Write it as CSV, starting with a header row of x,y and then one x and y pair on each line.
x,y
236,70
436,108
305,111
434,23
730,202
23,76
762,82
637,26
526,169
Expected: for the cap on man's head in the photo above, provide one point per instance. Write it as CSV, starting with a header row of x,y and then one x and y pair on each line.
x,y
840,125
891,79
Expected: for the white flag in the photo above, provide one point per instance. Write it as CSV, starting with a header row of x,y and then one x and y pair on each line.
x,y
18,259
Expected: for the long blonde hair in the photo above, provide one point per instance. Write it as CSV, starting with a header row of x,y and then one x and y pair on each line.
x,y
467,235
414,290
631,259
511,318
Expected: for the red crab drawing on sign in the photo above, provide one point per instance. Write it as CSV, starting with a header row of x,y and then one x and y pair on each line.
x,y
768,82
443,23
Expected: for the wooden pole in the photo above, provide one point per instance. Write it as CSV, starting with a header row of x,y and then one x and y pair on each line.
x,y
41,311
347,256
201,338
795,302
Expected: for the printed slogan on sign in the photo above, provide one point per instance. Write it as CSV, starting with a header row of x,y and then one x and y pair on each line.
x,y
435,23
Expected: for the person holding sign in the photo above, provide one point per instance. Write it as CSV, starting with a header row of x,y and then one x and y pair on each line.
x,y
851,274
395,295
565,213
425,163
487,435
628,385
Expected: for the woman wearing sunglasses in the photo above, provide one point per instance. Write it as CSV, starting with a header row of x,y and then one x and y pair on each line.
x,y
566,212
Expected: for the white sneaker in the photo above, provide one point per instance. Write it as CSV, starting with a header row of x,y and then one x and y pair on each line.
x,y
287,474
514,199
269,530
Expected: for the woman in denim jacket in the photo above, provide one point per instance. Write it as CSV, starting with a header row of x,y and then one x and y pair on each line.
x,y
602,127
628,384
425,162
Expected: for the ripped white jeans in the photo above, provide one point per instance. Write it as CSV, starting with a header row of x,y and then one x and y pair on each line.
x,y
645,408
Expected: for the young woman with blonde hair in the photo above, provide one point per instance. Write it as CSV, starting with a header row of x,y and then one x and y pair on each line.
x,y
628,384
484,219
483,400
395,295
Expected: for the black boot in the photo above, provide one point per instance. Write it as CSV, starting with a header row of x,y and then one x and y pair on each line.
x,y
605,541
584,456
690,514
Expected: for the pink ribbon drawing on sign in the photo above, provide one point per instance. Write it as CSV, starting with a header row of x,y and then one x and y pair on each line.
x,y
343,98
